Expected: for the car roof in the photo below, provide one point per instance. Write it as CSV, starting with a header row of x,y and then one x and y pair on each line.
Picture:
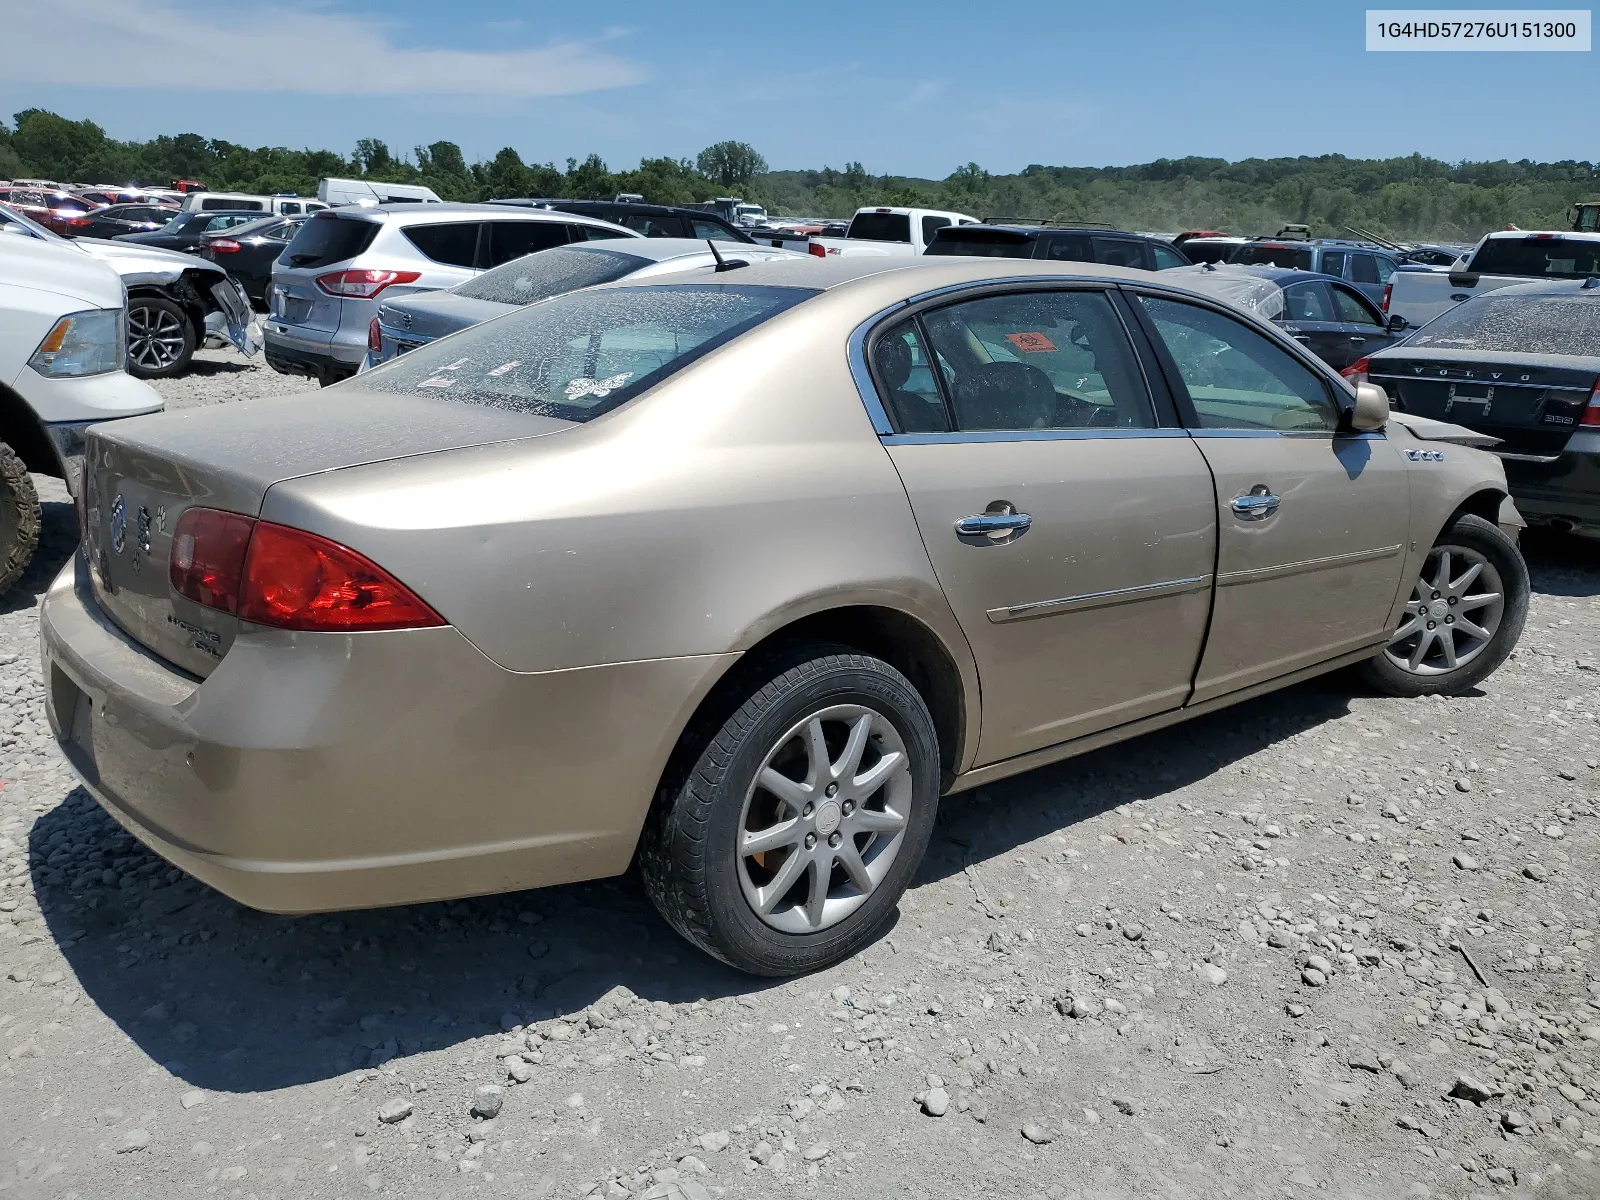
x,y
661,249
1033,231
1549,287
912,275
1574,235
1282,276
419,214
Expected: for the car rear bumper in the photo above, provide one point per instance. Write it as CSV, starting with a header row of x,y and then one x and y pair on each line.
x,y
1564,491
295,350
314,772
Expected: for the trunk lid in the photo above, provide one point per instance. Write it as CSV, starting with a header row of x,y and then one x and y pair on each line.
x,y
143,473
415,320
1531,403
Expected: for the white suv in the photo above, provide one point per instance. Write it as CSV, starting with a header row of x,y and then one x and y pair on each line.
x,y
327,282
63,344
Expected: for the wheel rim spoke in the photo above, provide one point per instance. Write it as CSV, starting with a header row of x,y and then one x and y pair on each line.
x,y
1471,630
1478,601
781,882
1447,647
791,792
786,833
1460,586
849,857
819,766
850,761
872,779
1441,574
871,820
817,894
1421,650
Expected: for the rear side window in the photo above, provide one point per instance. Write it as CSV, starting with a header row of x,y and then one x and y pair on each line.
x,y
579,355
1364,269
1120,252
453,243
1166,257
289,208
1547,257
710,231
881,227
1297,258
1353,308
213,205
594,233
981,243
652,225
1333,263
931,226
513,239
524,280
325,240
1069,247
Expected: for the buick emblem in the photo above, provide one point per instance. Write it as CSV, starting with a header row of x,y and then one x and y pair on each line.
x,y
119,524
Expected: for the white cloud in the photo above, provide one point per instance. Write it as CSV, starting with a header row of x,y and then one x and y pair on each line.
x,y
158,44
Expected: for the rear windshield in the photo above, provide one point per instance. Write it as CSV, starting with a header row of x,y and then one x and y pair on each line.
x,y
1205,250
881,227
1517,324
980,243
549,273
325,240
1551,258
576,356
1296,258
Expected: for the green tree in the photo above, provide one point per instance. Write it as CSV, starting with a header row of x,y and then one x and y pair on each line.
x,y
372,157
731,164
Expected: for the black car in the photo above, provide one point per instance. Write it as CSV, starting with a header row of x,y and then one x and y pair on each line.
x,y
652,220
1077,243
185,229
248,251
117,219
1522,364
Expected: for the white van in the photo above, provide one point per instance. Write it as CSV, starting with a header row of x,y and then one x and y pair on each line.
x,y
371,193
283,206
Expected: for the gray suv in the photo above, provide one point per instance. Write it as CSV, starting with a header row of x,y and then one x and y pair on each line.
x,y
327,284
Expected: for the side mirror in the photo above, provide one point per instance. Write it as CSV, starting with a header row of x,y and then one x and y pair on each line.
x,y
1371,412
1398,323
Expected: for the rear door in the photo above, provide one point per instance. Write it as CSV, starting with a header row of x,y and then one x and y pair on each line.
x,y
1365,330
1072,532
1311,521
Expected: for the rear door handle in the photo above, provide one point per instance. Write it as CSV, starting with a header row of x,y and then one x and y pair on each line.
x,y
996,525
1356,337
1257,504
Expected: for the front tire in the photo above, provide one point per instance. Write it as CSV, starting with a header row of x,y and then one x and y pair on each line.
x,y
161,338
1464,617
784,836
19,518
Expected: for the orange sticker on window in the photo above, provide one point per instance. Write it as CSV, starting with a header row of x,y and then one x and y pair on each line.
x,y
1031,343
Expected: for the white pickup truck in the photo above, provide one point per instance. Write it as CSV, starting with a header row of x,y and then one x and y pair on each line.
x,y
889,231
1499,260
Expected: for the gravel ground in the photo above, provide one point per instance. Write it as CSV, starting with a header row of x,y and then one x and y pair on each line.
x,y
1323,941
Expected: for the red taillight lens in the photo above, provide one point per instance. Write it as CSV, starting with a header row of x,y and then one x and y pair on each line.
x,y
223,245
208,550
363,285
1356,372
819,251
1591,414
374,336
1388,290
297,580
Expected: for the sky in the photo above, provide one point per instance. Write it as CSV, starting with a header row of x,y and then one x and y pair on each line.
x,y
904,88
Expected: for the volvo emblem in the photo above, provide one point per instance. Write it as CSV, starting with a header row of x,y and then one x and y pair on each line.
x,y
119,524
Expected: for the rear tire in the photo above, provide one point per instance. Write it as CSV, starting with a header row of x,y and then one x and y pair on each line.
x,y
828,760
1464,617
161,338
19,518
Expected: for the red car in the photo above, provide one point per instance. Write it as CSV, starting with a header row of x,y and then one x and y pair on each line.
x,y
57,210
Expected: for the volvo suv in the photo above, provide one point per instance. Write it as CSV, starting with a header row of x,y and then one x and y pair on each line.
x,y
327,283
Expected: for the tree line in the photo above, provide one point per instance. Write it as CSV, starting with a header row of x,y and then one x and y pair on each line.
x,y
1409,197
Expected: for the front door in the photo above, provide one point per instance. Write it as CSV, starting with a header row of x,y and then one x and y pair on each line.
x,y
1312,522
1074,539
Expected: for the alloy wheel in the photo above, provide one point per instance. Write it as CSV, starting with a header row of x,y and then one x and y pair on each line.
x,y
1452,615
824,818
155,337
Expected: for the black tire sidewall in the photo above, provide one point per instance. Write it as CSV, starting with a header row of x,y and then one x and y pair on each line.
x,y
737,934
1473,533
190,339
19,518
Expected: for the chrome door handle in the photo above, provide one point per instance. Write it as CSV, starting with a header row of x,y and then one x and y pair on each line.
x,y
1356,337
1257,504
993,524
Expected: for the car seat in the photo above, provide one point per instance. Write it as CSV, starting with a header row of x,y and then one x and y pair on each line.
x,y
1004,395
914,413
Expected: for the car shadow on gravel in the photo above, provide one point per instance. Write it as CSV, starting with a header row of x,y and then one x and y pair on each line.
x,y
205,368
239,1001
1562,565
58,541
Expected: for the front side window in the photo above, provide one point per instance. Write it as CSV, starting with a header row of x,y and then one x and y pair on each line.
x,y
1237,378
931,226
1166,257
1306,302
576,356
1038,360
1119,252
1352,308
710,231
1364,268
1069,247
1333,263
453,243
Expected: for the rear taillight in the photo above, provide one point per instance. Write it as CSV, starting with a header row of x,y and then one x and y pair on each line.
x,y
207,563
374,336
1388,290
1591,414
819,251
67,222
363,285
273,575
1356,372
223,245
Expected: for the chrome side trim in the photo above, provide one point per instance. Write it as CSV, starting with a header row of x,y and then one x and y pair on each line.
x,y
1146,591
1494,383
1028,435
1303,434
1533,458
1283,570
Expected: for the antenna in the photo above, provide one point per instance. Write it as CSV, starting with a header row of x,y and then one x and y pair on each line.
x,y
724,264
